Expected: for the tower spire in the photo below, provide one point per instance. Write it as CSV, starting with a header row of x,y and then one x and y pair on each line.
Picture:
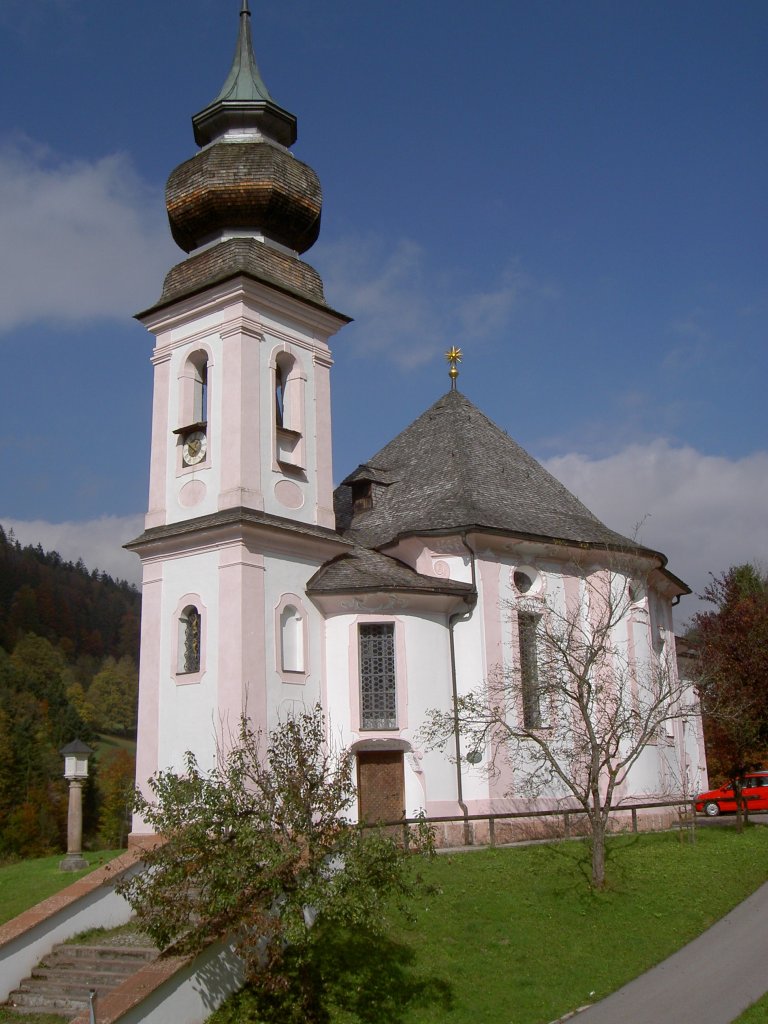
x,y
244,101
244,81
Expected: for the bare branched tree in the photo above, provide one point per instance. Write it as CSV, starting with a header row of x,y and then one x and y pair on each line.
x,y
571,716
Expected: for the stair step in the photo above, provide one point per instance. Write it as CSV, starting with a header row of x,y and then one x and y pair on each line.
x,y
44,1002
62,980
78,976
98,952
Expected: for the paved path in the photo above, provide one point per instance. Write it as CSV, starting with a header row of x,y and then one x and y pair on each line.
x,y
710,981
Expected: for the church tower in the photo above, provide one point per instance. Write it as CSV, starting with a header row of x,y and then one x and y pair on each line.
x,y
240,497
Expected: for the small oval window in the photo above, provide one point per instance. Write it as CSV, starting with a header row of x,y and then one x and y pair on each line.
x,y
523,581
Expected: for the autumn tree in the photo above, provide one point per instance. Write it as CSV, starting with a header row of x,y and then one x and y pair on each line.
x,y
116,789
111,701
732,645
259,849
573,714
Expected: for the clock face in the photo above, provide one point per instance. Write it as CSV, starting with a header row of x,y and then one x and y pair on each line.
x,y
194,448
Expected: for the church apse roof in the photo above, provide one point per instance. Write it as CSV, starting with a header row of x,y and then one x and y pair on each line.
x,y
362,570
454,469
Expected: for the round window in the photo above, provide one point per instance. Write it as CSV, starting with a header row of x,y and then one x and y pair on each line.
x,y
526,580
523,581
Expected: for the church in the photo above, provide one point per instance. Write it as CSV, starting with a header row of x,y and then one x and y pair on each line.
x,y
414,580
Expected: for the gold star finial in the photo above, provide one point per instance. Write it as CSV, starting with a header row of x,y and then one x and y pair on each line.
x,y
453,355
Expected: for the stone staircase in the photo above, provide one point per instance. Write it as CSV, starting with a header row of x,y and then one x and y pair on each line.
x,y
62,980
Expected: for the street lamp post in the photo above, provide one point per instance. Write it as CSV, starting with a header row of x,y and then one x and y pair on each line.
x,y
75,756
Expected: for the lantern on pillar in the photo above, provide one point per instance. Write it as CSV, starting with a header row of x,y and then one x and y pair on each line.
x,y
75,756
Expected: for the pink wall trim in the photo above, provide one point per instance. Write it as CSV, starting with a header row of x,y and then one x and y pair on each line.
x,y
489,585
157,515
242,657
149,678
325,515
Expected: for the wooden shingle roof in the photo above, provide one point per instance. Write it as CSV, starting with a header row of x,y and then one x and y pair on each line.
x,y
363,571
454,469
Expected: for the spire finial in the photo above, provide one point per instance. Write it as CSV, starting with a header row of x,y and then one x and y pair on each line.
x,y
244,101
453,356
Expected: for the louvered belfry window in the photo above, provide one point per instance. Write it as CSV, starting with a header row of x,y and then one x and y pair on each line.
x,y
378,693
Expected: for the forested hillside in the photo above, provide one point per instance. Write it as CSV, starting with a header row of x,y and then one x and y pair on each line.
x,y
68,669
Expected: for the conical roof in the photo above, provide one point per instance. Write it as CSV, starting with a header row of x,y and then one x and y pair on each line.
x,y
454,469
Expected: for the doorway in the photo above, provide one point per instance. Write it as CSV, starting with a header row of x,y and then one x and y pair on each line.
x,y
380,785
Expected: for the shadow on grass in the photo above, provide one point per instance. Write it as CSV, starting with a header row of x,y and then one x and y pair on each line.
x,y
355,976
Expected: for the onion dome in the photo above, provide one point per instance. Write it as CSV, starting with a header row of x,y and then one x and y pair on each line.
x,y
244,182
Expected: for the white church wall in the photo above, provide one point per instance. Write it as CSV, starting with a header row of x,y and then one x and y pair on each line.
x,y
188,705
285,581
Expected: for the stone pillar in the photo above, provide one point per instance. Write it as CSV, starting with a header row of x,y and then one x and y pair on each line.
x,y
74,861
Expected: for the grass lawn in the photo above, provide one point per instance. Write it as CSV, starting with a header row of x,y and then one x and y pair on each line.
x,y
516,936
27,882
519,937
756,1014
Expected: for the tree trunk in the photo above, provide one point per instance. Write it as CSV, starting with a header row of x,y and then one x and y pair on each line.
x,y
598,853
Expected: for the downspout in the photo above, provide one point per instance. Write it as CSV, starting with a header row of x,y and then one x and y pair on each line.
x,y
464,616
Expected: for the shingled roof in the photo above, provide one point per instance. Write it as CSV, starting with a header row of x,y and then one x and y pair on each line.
x,y
362,570
454,469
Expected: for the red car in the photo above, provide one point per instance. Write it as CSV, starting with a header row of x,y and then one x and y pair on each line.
x,y
719,801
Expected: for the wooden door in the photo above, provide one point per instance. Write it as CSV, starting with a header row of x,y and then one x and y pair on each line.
x,y
380,785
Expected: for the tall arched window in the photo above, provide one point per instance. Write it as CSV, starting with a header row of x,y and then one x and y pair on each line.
x,y
527,624
200,394
289,410
193,397
189,640
192,432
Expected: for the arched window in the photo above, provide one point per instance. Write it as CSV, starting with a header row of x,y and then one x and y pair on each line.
x,y
189,640
192,432
193,397
280,385
291,639
289,410
200,394
527,624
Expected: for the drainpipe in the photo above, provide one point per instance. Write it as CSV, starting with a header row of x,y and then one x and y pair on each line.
x,y
464,616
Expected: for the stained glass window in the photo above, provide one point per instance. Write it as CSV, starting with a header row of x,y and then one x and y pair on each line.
x,y
378,693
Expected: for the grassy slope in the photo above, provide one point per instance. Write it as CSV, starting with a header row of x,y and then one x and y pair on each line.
x,y
517,937
756,1014
26,883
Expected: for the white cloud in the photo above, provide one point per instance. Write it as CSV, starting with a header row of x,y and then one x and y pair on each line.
x,y
80,240
406,311
705,512
98,542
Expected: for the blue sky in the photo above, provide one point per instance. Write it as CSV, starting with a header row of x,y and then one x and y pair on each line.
x,y
574,193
